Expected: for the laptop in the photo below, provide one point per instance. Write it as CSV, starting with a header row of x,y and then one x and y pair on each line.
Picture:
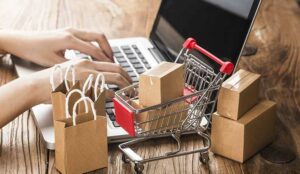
x,y
219,26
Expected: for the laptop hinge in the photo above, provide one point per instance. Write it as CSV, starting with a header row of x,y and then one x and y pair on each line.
x,y
157,55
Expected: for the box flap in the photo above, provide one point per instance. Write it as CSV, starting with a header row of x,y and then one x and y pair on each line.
x,y
240,80
256,111
162,69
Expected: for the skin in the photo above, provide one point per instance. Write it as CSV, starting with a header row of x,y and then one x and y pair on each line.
x,y
47,49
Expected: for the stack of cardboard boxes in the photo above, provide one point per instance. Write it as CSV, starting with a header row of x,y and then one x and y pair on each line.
x,y
243,124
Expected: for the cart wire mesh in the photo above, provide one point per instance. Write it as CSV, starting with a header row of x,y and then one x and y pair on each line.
x,y
190,113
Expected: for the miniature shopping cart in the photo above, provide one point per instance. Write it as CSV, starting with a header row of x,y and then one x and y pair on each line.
x,y
189,113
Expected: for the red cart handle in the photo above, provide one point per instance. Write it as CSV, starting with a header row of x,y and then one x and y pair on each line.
x,y
226,67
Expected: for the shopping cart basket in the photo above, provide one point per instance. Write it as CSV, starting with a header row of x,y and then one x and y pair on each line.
x,y
189,113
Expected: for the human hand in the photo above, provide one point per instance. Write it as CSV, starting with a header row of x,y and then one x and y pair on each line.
x,y
113,74
47,48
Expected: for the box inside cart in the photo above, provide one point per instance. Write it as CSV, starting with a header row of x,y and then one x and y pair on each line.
x,y
162,83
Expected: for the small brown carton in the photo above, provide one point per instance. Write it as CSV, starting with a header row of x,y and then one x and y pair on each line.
x,y
239,140
238,94
162,83
170,117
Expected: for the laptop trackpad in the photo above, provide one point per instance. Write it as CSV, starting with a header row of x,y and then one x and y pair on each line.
x,y
44,121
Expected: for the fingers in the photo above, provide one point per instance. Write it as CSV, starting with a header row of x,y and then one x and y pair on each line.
x,y
89,49
117,79
109,95
111,78
113,73
90,36
110,67
59,58
53,59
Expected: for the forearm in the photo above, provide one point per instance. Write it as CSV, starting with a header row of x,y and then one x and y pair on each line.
x,y
10,42
18,96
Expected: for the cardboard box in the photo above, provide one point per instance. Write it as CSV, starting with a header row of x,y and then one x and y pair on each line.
x,y
162,83
238,94
239,140
162,119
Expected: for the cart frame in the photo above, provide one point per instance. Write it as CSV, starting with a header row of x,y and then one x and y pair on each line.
x,y
202,84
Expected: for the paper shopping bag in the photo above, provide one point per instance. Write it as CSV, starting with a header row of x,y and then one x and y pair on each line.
x,y
58,95
95,92
81,141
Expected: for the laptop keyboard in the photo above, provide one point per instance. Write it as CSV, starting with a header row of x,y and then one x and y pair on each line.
x,y
131,60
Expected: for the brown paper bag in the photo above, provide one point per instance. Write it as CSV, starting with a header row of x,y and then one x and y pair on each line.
x,y
81,141
96,93
58,95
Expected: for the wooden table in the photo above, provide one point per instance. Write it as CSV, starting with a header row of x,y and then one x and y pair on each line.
x,y
275,33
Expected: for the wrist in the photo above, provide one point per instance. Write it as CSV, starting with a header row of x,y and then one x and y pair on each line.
x,y
40,88
2,43
12,42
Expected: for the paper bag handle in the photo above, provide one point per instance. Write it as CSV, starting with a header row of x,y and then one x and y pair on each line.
x,y
85,99
56,67
69,68
68,98
88,83
100,75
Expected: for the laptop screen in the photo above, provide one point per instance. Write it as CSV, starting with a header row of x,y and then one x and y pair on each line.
x,y
219,26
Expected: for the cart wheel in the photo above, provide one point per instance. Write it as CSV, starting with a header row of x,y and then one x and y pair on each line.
x,y
204,158
138,167
125,159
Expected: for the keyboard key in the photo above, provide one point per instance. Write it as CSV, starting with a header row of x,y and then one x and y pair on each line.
x,y
112,118
148,66
121,60
141,56
135,79
125,47
128,69
124,64
131,56
138,51
128,52
134,61
132,74
118,55
144,61
109,105
110,86
137,66
115,50
140,70
110,111
134,47
115,124
113,87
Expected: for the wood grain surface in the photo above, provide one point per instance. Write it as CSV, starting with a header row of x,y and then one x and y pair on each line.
x,y
275,33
